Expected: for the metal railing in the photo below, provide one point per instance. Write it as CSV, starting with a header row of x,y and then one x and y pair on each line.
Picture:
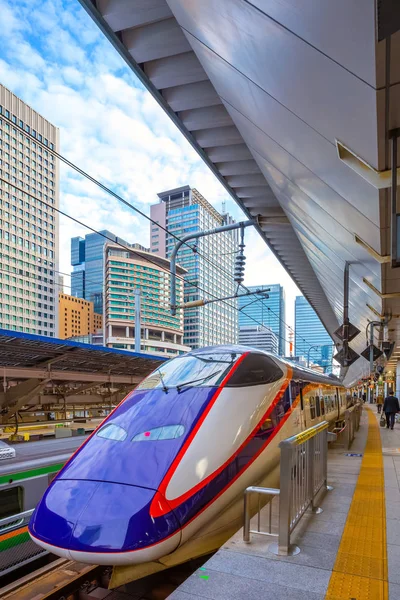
x,y
346,432
303,474
260,491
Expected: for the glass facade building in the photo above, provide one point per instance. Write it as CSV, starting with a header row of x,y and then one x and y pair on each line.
x,y
29,198
87,259
270,312
258,337
309,331
126,271
183,211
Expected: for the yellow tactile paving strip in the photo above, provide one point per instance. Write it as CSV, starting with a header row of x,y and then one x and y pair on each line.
x,y
360,571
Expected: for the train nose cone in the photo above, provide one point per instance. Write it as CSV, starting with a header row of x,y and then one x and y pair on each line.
x,y
79,517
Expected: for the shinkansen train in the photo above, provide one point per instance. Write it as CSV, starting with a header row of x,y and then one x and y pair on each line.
x,y
168,467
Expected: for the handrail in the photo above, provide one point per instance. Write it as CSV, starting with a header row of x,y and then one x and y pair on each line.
x,y
258,490
303,475
18,517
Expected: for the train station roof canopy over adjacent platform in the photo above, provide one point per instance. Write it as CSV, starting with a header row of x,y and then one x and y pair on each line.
x,y
40,370
291,109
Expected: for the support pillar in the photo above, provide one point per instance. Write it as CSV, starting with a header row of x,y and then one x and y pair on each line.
x,y
127,331
397,390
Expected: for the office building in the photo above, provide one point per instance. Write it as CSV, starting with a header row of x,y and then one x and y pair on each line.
x,y
130,270
210,267
87,259
310,332
270,312
29,195
76,317
258,337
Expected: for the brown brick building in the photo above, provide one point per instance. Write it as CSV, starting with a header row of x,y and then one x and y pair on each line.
x,y
76,317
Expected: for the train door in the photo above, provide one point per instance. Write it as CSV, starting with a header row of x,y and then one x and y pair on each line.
x,y
309,405
302,411
296,400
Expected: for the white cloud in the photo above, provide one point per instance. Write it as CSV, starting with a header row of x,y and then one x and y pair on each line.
x,y
57,61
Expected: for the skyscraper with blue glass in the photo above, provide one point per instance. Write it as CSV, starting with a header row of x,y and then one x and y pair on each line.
x,y
87,258
209,266
256,310
310,332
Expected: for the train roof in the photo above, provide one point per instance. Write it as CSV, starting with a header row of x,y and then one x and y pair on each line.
x,y
299,371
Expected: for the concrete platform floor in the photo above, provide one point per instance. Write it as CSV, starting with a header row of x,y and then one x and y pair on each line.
x,y
240,571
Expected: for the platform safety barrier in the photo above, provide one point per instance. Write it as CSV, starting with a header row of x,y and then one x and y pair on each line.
x,y
346,433
303,474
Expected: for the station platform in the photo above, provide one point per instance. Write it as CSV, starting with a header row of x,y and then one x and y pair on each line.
x,y
351,551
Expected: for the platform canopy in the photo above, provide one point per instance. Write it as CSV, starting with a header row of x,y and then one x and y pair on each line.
x,y
290,104
39,370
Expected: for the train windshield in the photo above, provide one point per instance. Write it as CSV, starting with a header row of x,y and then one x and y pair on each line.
x,y
194,370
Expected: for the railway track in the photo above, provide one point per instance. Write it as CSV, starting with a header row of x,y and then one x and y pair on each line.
x,y
70,580
60,579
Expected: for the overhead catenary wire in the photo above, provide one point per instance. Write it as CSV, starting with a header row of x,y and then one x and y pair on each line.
x,y
120,199
106,189
146,258
132,207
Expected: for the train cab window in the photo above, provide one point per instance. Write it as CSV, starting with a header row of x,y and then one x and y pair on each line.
x,y
113,432
318,406
11,501
168,432
194,370
312,407
255,369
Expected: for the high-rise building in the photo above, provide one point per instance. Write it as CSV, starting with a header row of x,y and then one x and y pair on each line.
x,y
309,332
210,266
76,317
87,259
270,312
29,194
130,270
258,336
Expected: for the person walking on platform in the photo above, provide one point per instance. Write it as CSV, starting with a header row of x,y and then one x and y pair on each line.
x,y
390,408
379,402
364,397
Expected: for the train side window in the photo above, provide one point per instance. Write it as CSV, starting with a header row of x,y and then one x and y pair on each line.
x,y
322,403
294,391
318,406
312,407
11,501
255,369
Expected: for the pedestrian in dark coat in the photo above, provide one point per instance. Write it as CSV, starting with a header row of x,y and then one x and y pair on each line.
x,y
390,408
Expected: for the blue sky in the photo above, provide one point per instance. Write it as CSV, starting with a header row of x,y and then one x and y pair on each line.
x,y
54,57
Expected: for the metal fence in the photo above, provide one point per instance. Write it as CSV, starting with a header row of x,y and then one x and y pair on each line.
x,y
303,474
346,431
